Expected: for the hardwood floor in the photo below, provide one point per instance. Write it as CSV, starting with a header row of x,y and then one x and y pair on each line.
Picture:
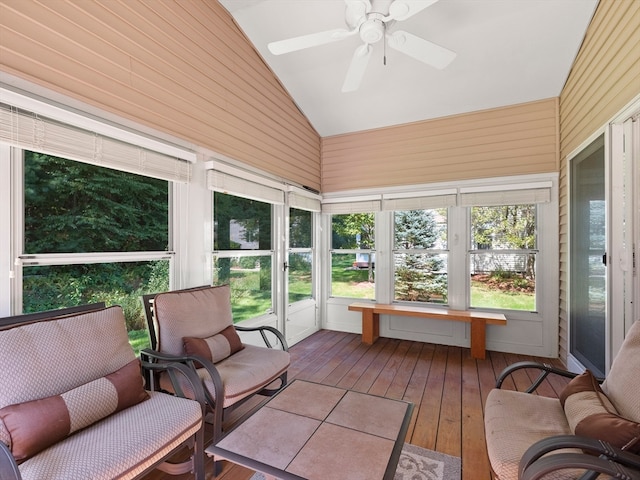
x,y
447,386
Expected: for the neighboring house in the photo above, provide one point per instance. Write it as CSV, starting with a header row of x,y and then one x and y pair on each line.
x,y
207,90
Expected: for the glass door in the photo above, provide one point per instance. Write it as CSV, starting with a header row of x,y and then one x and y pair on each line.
x,y
301,314
587,257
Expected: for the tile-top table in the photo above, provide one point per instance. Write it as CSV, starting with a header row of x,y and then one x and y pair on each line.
x,y
318,432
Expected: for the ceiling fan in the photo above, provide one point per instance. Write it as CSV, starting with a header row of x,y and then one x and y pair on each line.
x,y
371,21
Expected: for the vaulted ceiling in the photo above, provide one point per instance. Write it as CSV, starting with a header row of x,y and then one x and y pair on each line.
x,y
507,52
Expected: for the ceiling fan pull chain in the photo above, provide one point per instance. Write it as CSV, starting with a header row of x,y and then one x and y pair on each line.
x,y
384,49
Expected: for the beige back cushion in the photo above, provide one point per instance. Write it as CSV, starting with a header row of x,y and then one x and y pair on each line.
x,y
198,313
51,357
623,381
55,356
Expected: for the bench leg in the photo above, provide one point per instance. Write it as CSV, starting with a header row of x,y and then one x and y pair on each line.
x,y
370,327
478,338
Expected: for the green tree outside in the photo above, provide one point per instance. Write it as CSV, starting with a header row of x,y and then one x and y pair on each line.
x,y
418,276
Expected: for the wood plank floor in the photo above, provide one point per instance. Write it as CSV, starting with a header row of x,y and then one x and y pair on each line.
x,y
447,386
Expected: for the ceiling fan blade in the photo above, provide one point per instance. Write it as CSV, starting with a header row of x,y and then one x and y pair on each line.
x,y
360,7
403,9
421,49
311,40
358,66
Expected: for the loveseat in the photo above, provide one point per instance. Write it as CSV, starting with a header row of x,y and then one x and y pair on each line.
x,y
73,404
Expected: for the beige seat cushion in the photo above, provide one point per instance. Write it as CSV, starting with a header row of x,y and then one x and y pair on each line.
x,y
250,370
243,373
120,446
513,422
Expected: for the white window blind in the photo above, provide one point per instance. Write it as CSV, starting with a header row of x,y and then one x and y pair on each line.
x,y
31,131
506,197
232,185
303,202
366,206
414,202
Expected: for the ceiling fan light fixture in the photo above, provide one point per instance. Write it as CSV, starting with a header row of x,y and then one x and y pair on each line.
x,y
372,31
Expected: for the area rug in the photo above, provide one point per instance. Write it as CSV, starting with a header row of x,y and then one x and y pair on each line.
x,y
419,464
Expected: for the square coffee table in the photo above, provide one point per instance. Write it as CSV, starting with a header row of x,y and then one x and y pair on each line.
x,y
319,432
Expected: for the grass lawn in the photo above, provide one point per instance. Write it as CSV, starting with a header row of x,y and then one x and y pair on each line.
x,y
139,339
483,296
350,282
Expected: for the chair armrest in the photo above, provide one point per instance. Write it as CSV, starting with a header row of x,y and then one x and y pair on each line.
x,y
263,329
175,370
594,467
153,356
190,361
545,369
598,457
8,466
157,358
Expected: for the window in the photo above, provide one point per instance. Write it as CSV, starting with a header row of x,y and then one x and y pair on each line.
x,y
300,260
353,255
243,253
476,245
89,209
93,234
502,257
420,256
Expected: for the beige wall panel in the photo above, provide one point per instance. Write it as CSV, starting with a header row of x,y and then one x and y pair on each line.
x,y
514,140
183,68
605,77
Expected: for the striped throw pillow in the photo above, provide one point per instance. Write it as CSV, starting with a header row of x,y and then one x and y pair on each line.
x,y
35,425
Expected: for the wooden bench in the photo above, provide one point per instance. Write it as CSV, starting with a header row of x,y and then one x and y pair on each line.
x,y
371,321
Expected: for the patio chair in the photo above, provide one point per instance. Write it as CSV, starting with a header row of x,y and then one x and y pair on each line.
x,y
592,428
195,326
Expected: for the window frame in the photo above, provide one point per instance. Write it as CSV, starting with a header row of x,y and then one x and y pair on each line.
x,y
525,251
26,259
